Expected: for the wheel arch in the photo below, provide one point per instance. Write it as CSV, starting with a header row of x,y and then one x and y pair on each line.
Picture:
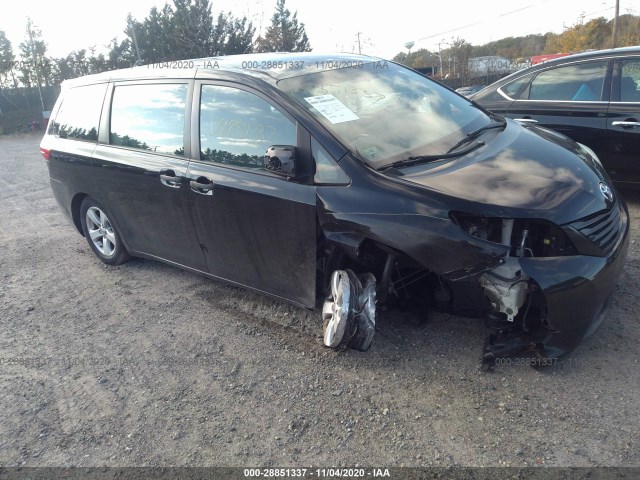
x,y
76,203
362,254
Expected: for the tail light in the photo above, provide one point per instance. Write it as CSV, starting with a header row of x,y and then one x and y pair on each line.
x,y
46,153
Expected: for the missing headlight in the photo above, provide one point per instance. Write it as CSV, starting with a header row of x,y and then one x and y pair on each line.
x,y
485,228
527,237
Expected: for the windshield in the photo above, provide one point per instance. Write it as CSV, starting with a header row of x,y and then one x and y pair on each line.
x,y
385,112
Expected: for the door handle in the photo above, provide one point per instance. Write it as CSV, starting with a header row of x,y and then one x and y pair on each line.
x,y
202,185
526,120
169,179
631,123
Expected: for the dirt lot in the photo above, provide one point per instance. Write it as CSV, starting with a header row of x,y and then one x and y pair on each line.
x,y
147,365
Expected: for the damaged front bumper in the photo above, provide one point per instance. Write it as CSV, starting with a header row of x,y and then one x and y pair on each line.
x,y
575,291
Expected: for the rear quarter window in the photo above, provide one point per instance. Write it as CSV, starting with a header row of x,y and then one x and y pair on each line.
x,y
515,88
630,81
78,117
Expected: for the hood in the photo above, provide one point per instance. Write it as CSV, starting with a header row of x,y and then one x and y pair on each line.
x,y
521,172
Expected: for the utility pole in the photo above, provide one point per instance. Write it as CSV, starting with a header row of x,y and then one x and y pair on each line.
x,y
35,60
135,44
614,40
359,47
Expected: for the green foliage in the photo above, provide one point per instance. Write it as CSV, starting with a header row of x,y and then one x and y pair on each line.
x,y
187,30
6,60
191,28
233,36
454,60
512,47
155,35
182,30
120,54
595,34
418,59
629,30
35,66
284,34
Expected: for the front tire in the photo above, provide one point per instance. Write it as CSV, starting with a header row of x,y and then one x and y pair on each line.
x,y
349,312
337,308
101,234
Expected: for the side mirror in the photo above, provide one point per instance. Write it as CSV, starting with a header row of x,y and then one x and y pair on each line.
x,y
281,159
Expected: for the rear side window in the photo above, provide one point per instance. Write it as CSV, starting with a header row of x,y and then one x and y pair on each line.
x,y
79,114
580,83
149,117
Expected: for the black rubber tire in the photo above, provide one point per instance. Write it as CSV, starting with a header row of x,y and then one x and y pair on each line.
x,y
115,253
364,325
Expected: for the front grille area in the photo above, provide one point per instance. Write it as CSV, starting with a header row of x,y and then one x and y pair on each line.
x,y
602,228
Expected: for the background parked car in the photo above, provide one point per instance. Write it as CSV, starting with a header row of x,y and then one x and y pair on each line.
x,y
594,98
469,90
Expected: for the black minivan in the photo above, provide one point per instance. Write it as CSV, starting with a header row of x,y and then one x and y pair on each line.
x,y
341,183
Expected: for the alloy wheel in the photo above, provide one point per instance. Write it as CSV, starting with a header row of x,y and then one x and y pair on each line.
x,y
101,231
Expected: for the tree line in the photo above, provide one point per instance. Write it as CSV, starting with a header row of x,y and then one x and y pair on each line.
x,y
184,29
595,34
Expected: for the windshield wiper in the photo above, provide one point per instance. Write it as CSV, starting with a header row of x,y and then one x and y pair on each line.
x,y
470,136
407,162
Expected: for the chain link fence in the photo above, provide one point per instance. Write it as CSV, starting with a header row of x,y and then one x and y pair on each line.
x,y
21,109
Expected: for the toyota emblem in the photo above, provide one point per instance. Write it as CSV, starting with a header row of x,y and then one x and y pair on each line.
x,y
606,191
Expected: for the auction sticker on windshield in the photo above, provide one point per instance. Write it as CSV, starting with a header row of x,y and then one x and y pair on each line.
x,y
332,109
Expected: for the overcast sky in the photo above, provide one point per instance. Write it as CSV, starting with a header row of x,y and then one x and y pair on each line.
x,y
332,25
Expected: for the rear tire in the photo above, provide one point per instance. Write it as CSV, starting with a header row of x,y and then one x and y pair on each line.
x,y
102,236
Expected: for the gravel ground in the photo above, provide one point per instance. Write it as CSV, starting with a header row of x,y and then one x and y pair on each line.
x,y
147,365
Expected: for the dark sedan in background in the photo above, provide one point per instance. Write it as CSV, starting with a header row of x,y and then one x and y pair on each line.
x,y
593,98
